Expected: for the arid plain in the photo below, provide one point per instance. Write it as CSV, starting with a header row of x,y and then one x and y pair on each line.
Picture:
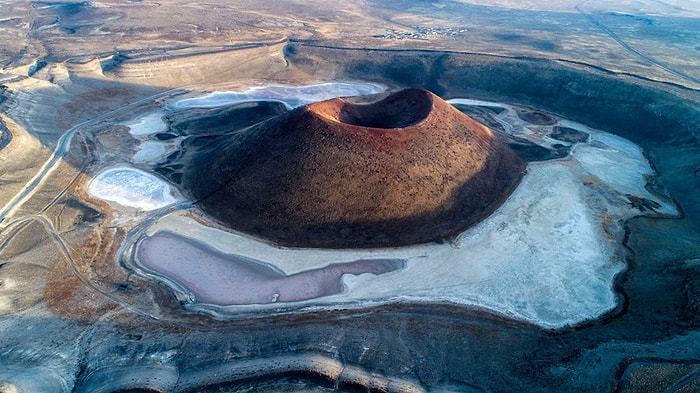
x,y
576,87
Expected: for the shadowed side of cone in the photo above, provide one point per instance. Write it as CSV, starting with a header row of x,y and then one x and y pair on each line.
x,y
404,170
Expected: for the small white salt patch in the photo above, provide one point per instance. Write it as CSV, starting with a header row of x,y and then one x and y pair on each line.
x,y
131,187
146,125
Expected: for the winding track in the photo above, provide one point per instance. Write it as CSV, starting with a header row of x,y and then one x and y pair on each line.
x,y
62,148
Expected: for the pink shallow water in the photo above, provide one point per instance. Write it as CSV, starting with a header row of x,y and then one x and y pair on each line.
x,y
227,279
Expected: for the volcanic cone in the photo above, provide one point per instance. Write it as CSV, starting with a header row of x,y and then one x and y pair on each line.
x,y
403,170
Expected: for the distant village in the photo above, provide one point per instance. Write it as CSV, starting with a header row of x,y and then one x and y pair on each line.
x,y
421,32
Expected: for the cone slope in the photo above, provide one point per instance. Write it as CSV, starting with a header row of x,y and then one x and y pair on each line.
x,y
404,170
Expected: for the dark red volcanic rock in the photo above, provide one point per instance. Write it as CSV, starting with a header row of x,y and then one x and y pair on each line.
x,y
404,170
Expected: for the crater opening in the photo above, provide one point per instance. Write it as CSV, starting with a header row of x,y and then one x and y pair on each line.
x,y
400,110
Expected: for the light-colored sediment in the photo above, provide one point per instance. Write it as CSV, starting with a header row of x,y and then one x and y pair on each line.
x,y
226,279
133,188
149,123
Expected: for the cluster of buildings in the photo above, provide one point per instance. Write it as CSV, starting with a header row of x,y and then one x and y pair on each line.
x,y
421,32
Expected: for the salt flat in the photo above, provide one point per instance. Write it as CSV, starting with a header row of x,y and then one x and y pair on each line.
x,y
132,188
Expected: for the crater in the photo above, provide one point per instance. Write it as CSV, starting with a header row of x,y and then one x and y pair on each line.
x,y
404,109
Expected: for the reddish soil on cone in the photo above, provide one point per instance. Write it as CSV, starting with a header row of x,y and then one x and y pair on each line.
x,y
403,170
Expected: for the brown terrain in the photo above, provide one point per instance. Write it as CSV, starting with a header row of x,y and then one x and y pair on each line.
x,y
403,170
